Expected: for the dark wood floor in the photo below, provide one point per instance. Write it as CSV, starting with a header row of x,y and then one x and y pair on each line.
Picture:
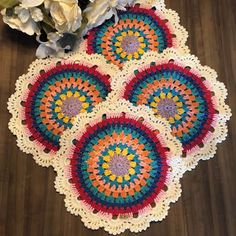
x,y
29,204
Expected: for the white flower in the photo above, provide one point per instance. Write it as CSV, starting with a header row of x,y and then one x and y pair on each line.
x,y
56,44
25,16
49,47
24,19
66,14
31,3
100,10
22,13
36,14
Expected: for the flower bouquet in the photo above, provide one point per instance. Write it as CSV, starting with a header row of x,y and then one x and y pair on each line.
x,y
58,24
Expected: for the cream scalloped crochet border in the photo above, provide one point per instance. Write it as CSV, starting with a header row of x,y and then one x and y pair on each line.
x,y
97,220
173,24
220,133
16,109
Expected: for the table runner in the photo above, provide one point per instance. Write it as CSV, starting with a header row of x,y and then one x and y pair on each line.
x,y
122,118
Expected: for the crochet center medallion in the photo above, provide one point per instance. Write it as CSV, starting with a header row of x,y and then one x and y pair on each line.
x,y
119,167
58,96
123,170
176,94
139,29
183,92
52,98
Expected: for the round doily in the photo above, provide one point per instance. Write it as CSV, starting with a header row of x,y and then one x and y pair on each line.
x,y
183,92
143,27
120,167
50,95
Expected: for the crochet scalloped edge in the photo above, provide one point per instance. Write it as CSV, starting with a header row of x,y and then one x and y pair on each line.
x,y
15,108
220,133
173,24
149,214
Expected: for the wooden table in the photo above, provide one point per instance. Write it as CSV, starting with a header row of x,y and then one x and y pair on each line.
x,y
29,204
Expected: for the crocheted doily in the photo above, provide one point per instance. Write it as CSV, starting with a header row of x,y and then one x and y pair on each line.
x,y
50,95
119,167
146,26
182,91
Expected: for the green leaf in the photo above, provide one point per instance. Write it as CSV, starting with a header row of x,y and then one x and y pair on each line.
x,y
46,18
8,3
47,28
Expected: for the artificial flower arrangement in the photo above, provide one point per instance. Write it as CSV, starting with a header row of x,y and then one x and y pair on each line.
x,y
58,24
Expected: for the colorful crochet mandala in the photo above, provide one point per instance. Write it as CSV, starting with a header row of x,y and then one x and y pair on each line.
x,y
183,92
122,167
122,118
141,28
50,95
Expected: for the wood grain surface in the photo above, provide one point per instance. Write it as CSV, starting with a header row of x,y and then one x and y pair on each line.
x,y
29,204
